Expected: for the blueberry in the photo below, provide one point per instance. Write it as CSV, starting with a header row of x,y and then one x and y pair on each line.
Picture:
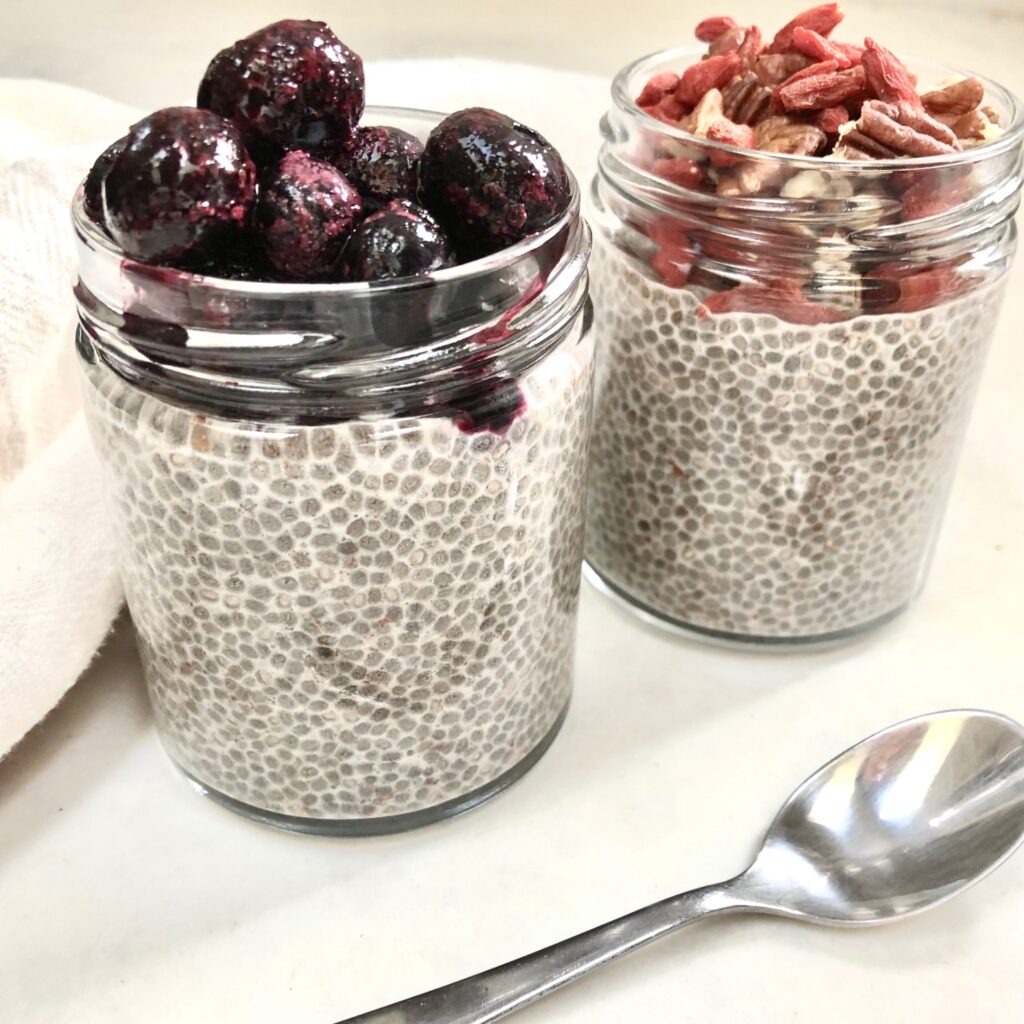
x,y
401,240
305,212
93,189
182,182
493,407
382,162
291,85
239,258
491,181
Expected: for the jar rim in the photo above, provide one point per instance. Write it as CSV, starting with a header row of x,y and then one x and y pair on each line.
x,y
90,234
623,96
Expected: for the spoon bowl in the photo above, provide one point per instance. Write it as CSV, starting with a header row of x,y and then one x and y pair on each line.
x,y
902,821
905,819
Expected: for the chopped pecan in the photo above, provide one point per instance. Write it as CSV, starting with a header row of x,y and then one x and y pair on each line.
x,y
821,19
745,100
886,130
786,134
705,114
774,135
775,68
887,76
975,127
712,73
955,99
826,88
751,47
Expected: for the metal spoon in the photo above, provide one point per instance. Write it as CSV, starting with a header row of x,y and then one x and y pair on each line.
x,y
900,822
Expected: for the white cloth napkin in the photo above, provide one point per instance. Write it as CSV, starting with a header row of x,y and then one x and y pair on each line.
x,y
59,590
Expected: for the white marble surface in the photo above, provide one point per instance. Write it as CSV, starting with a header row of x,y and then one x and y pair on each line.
x,y
124,897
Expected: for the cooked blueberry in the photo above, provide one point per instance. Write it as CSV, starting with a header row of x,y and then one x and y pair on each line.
x,y
382,162
491,181
240,258
305,212
400,240
93,189
182,182
291,85
493,406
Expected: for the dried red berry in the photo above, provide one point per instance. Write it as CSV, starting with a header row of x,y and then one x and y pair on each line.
x,y
727,42
807,91
673,266
712,73
711,28
899,288
814,44
851,51
679,170
784,300
730,134
888,78
822,19
928,198
657,88
831,119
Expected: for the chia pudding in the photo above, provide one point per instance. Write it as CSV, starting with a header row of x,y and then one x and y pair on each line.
x,y
760,478
800,252
357,620
338,374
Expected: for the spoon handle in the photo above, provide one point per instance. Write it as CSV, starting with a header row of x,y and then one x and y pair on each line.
x,y
502,990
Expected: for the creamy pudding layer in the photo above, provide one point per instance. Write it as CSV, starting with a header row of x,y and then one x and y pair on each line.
x,y
357,620
766,479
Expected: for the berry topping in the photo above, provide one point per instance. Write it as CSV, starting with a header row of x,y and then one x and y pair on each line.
x,y
400,240
93,188
291,85
305,212
182,182
491,181
382,162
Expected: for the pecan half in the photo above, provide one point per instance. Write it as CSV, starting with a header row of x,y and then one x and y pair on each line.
x,y
955,99
745,100
886,130
775,68
975,127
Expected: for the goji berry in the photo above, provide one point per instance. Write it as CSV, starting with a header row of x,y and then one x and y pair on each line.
x,y
711,28
888,78
678,170
928,198
782,300
669,109
816,92
712,73
672,266
668,233
822,19
727,42
814,44
831,119
851,51
899,288
725,131
658,87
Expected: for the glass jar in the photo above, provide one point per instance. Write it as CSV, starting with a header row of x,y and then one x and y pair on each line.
x,y
350,520
785,370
